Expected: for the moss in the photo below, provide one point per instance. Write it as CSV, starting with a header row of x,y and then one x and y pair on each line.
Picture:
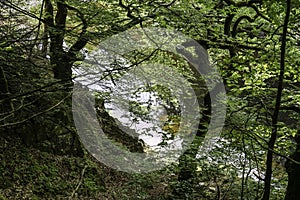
x,y
28,173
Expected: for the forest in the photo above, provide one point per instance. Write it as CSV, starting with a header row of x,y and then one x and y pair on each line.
x,y
150,99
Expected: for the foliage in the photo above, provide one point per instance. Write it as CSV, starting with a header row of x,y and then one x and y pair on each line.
x,y
39,47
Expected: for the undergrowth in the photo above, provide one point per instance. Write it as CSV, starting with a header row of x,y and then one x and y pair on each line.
x,y
28,173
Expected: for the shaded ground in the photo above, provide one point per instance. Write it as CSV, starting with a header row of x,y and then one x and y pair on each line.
x,y
27,173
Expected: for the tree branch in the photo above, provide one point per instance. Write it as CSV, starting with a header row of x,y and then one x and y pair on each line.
x,y
49,16
291,108
238,21
83,39
242,4
127,8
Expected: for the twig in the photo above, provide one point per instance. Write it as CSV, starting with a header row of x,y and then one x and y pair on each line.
x,y
79,182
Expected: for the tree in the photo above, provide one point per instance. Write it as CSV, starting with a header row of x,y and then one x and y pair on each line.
x,y
240,39
273,137
59,34
244,40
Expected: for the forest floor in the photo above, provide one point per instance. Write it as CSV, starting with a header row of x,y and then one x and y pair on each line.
x,y
28,173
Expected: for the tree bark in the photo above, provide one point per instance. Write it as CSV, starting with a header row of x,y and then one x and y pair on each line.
x,y
187,161
271,144
116,131
65,140
293,170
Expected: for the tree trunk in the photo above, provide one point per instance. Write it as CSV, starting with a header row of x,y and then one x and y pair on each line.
x,y
293,170
55,131
116,131
187,161
271,143
62,60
